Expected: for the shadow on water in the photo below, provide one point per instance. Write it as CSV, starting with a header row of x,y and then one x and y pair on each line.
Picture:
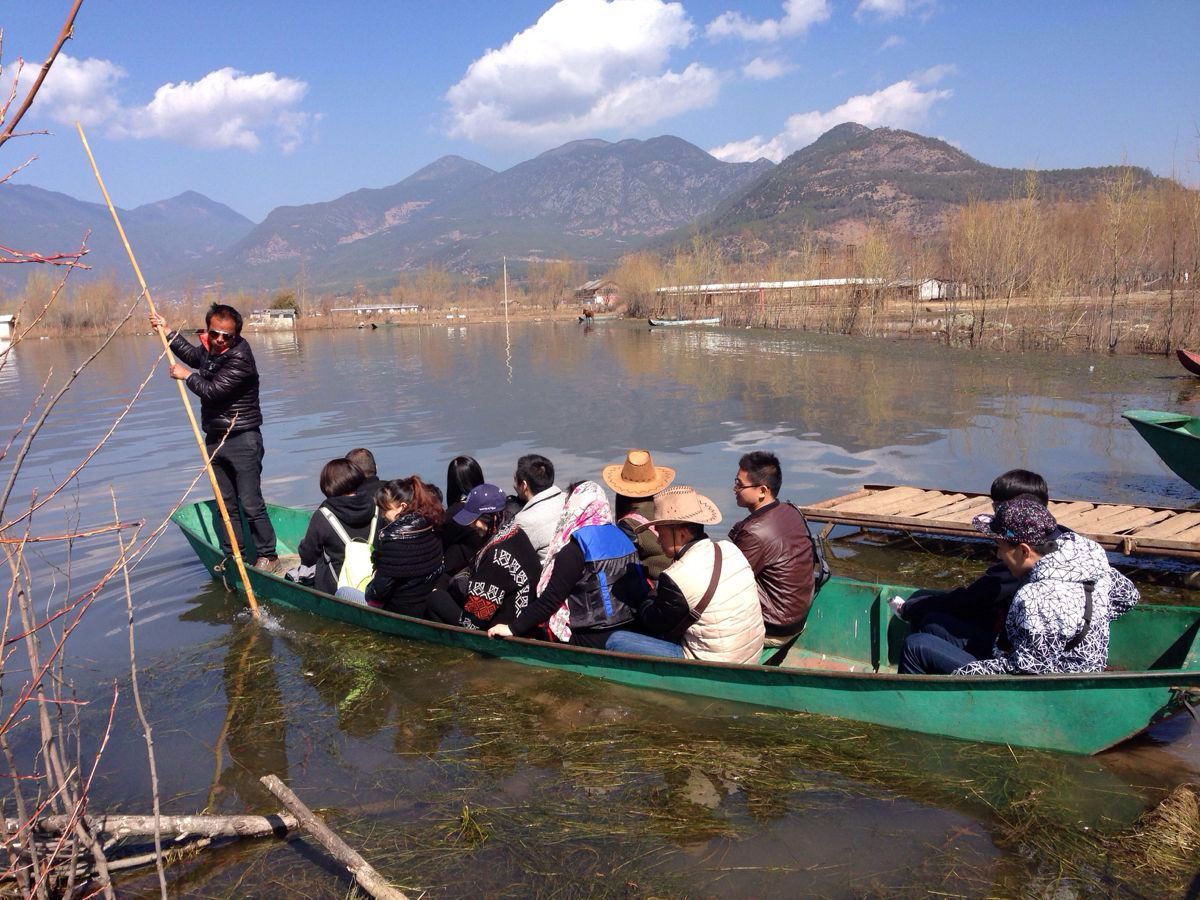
x,y
461,774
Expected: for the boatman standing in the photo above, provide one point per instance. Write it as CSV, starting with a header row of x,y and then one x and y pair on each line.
x,y
226,381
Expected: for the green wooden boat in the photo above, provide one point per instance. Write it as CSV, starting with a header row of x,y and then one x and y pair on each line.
x,y
1174,437
843,665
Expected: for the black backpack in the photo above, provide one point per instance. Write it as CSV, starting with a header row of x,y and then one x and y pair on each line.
x,y
821,572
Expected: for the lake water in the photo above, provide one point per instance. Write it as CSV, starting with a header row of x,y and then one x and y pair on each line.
x,y
459,774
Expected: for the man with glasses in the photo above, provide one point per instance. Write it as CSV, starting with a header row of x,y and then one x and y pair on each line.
x,y
775,541
226,381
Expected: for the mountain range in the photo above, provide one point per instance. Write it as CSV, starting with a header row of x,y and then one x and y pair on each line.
x,y
590,201
167,235
853,174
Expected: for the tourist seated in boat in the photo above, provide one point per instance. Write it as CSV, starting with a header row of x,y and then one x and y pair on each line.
x,y
705,605
972,617
461,542
365,460
776,542
592,580
543,501
1059,618
344,510
635,483
503,577
408,554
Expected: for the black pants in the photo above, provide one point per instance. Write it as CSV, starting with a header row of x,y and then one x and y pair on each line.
x,y
238,467
443,608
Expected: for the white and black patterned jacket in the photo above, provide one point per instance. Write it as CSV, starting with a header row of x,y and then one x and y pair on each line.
x,y
1048,611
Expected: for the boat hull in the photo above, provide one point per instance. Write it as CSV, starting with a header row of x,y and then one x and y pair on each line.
x,y
715,320
1068,713
1174,437
1190,360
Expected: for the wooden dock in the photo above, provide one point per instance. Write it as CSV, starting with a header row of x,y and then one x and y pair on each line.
x,y
1131,530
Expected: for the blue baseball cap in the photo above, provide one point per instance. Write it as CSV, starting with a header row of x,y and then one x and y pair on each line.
x,y
484,498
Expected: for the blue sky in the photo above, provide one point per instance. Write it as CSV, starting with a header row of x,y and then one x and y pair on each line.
x,y
260,104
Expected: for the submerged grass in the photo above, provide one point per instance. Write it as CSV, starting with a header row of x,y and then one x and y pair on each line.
x,y
457,774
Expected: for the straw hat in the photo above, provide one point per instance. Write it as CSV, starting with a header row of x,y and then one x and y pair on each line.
x,y
682,505
638,476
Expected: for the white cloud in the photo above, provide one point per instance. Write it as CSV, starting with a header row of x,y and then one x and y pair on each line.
x,y
224,109
760,69
885,10
934,74
892,40
798,17
901,105
585,66
77,90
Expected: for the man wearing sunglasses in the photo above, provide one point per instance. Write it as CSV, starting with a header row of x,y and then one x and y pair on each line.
x,y
226,381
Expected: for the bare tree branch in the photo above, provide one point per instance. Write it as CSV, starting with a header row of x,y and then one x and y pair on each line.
x,y
64,35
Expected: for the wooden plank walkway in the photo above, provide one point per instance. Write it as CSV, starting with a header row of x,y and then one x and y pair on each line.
x,y
1132,530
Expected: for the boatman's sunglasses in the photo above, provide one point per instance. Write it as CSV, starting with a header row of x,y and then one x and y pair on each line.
x,y
214,333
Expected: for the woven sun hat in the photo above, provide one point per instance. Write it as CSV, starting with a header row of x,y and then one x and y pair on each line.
x,y
681,505
638,476
1022,520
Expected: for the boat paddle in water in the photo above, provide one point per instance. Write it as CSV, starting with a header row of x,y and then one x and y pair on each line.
x,y
1174,437
842,665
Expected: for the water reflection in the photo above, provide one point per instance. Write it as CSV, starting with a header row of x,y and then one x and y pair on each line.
x,y
254,733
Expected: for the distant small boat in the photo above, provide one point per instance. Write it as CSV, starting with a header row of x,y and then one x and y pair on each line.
x,y
602,318
1190,360
715,320
1174,437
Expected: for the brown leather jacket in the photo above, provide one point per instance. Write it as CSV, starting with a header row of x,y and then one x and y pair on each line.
x,y
774,540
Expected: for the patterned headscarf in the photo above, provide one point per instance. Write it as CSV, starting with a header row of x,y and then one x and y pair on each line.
x,y
586,505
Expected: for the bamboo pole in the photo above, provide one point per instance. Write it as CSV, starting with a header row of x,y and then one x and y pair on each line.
x,y
366,876
187,406
507,339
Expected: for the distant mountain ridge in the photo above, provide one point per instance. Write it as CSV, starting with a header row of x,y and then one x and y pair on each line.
x,y
852,174
167,234
590,201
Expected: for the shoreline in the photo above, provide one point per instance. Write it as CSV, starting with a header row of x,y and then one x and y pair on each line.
x,y
1140,325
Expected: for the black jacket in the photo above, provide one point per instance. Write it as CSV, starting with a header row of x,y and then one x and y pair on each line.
x,y
983,603
226,383
666,613
321,541
462,542
408,565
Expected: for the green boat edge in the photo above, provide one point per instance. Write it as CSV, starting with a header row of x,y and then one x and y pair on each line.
x,y
1175,437
1077,714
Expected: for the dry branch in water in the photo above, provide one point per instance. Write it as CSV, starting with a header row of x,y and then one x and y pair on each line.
x,y
364,873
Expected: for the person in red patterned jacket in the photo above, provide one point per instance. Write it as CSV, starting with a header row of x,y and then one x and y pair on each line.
x,y
502,578
775,541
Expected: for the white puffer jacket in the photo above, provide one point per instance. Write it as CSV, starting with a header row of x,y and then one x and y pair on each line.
x,y
731,627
